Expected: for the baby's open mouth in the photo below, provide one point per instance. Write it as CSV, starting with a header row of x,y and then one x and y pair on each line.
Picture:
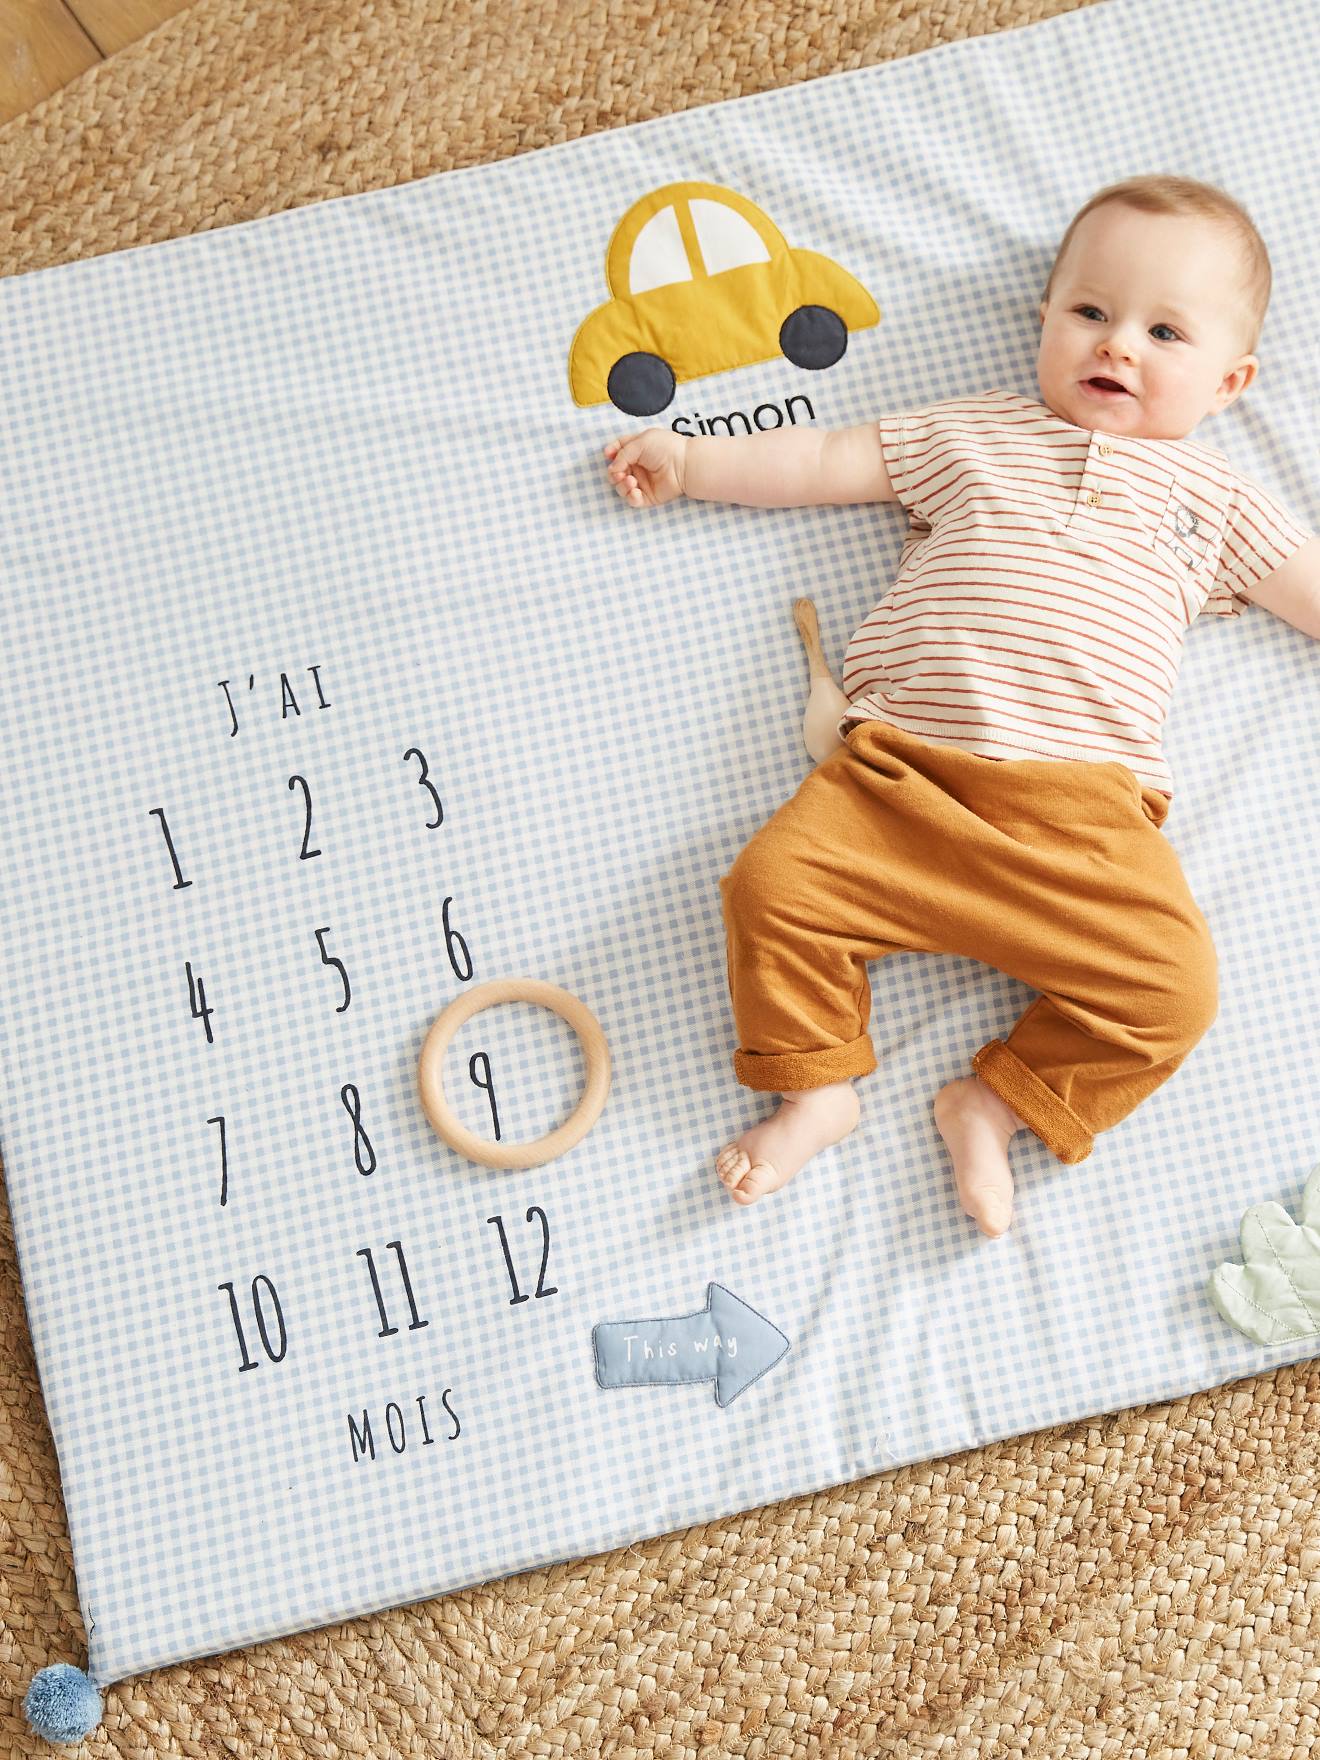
x,y
1100,383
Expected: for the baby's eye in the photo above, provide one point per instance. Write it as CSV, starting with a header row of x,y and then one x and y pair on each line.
x,y
1083,310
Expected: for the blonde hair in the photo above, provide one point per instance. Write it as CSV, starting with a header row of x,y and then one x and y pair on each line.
x,y
1160,193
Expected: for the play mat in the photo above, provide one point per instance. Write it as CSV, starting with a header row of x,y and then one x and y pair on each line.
x,y
339,682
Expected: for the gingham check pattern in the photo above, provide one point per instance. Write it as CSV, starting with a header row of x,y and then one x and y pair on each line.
x,y
341,437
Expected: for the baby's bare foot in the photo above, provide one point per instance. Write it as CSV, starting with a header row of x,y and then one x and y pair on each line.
x,y
770,1153
977,1127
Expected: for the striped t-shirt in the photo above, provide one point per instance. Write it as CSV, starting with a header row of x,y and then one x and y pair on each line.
x,y
1048,578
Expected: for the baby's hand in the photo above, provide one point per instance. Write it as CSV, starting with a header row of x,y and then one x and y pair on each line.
x,y
647,468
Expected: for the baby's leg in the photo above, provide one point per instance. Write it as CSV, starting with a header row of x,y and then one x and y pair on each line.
x,y
808,902
770,1153
977,1127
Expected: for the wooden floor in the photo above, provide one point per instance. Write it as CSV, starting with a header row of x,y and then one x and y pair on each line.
x,y
46,43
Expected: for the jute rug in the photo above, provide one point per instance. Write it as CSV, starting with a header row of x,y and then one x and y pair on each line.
x,y
1142,1584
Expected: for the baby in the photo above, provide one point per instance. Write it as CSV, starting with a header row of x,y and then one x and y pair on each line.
x,y
1000,788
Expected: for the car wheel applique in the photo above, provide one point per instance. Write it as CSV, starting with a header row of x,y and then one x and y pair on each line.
x,y
700,282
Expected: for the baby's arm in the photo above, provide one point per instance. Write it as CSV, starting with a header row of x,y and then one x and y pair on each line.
x,y
784,467
788,467
1292,592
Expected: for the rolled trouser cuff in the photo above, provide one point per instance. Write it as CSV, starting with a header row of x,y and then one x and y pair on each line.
x,y
784,1071
1038,1106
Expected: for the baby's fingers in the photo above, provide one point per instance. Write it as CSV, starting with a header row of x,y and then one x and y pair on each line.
x,y
621,453
626,450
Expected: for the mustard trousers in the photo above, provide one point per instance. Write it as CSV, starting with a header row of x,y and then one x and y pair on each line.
x,y
1056,873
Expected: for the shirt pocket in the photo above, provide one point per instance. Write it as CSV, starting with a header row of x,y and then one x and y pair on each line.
x,y
1165,523
1187,541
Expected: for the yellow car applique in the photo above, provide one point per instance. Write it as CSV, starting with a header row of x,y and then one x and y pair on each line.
x,y
701,281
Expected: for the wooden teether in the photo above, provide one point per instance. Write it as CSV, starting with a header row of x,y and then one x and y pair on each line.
x,y
430,1072
825,701
808,627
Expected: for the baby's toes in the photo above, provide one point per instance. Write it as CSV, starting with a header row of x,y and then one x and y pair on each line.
x,y
761,1178
731,1164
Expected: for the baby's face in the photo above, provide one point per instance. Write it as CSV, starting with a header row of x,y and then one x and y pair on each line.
x,y
1148,300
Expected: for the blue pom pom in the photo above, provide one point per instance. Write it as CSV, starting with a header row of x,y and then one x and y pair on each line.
x,y
62,1704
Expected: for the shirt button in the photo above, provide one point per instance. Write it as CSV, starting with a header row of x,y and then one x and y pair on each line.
x,y
1094,498
1105,449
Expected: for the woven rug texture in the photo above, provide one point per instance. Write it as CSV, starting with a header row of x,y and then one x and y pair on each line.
x,y
1141,1584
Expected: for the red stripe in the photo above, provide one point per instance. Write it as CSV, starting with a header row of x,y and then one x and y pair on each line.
x,y
979,690
943,651
906,607
984,732
882,677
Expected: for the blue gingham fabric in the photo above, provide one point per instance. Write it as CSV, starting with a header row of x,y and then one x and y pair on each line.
x,y
329,459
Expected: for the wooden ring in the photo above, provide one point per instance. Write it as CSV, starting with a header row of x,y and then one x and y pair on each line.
x,y
430,1072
